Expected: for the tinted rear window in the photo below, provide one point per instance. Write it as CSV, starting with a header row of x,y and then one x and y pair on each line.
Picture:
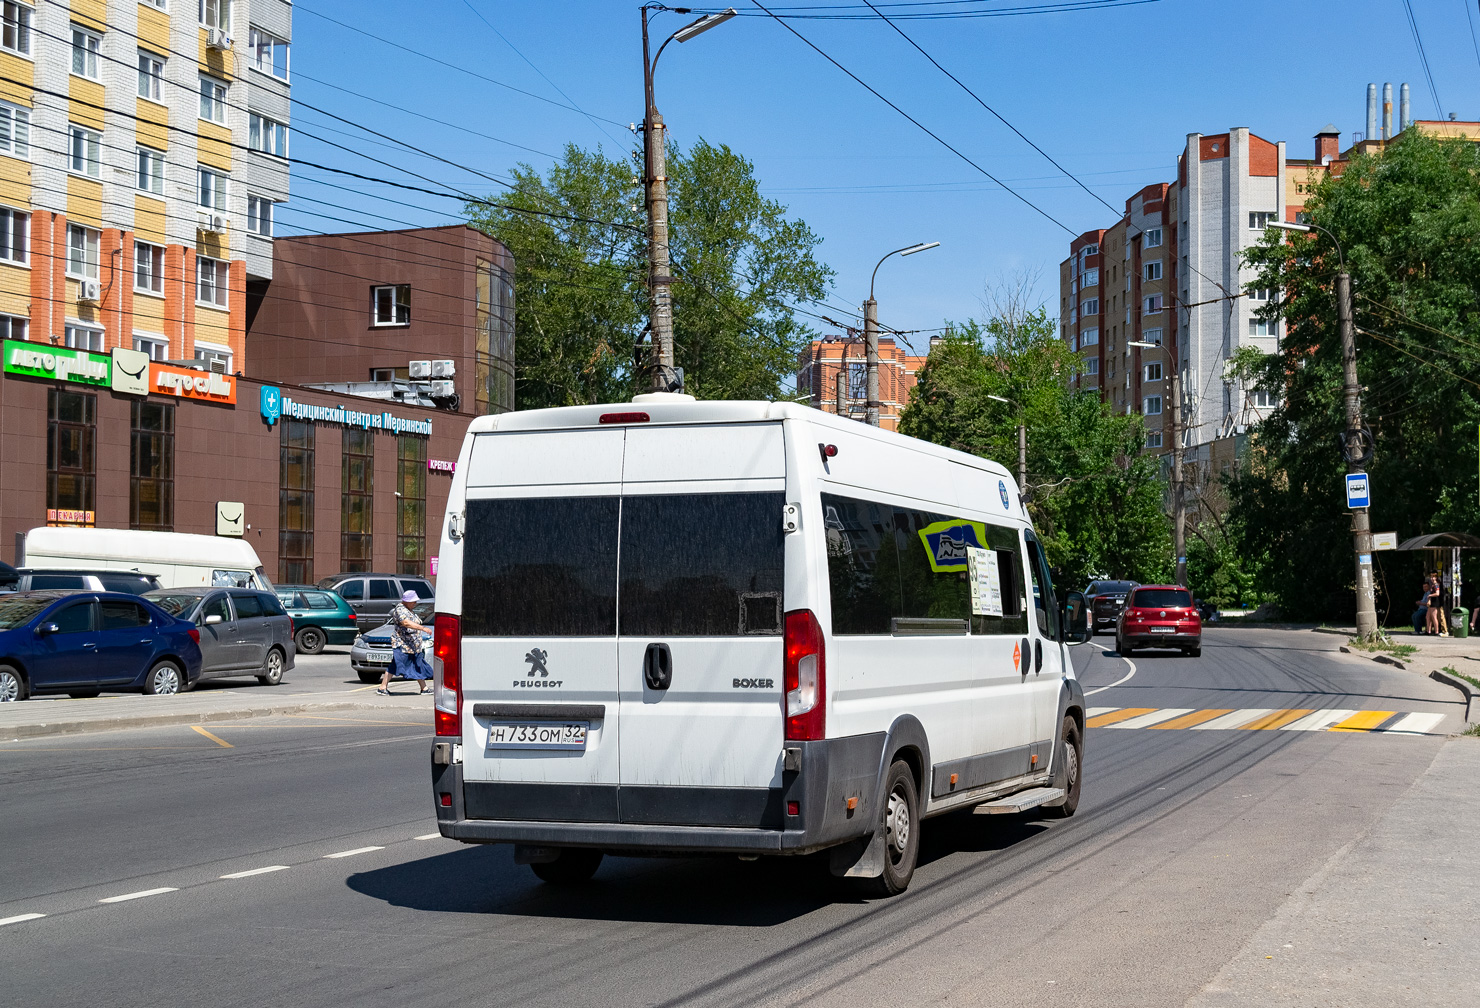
x,y
1160,598
354,589
319,600
134,584
39,581
118,615
422,589
541,567
702,565
270,604
247,606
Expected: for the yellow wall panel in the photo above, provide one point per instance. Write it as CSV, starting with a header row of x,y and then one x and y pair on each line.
x,y
152,124
149,219
85,201
217,246
16,69
91,13
212,325
154,29
221,62
15,182
86,106
148,312
214,146
15,288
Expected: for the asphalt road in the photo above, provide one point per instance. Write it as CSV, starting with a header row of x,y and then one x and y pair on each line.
x,y
1186,841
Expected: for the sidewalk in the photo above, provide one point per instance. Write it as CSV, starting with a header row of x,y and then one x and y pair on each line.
x,y
1390,920
35,718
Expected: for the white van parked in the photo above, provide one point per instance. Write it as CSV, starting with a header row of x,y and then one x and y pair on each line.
x,y
740,627
178,559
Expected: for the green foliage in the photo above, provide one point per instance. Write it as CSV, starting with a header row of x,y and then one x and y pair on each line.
x,y
1408,222
1218,570
580,288
1094,496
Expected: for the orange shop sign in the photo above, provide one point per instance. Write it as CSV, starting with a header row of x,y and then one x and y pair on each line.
x,y
189,383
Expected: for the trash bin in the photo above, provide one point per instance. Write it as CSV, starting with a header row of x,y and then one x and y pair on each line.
x,y
1459,622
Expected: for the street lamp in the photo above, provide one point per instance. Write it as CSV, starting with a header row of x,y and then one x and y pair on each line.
x,y
871,332
1022,444
1356,447
1179,500
655,188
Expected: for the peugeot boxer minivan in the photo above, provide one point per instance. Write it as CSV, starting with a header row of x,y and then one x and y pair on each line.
x,y
749,628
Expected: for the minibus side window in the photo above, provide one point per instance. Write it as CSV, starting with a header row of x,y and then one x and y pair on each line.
x,y
1045,603
541,567
862,565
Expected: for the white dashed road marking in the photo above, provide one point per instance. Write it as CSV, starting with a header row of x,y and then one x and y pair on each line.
x,y
1414,724
1319,721
1155,717
1238,717
137,895
257,871
429,836
357,850
18,918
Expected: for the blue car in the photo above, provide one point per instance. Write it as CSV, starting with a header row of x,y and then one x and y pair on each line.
x,y
82,643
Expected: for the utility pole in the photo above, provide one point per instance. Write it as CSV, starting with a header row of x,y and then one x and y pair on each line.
x,y
1179,500
655,188
871,358
1023,459
1356,438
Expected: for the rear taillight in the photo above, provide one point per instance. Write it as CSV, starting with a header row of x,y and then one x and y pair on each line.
x,y
804,677
447,673
353,617
291,628
194,634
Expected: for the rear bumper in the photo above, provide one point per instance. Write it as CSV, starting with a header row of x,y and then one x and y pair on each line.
x,y
340,636
1162,639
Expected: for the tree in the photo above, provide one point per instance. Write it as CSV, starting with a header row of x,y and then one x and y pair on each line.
x,y
1408,222
577,235
1092,492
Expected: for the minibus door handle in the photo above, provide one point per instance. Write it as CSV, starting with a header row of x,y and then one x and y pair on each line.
x,y
1037,656
657,667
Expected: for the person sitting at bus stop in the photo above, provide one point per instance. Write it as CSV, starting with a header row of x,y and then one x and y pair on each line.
x,y
409,662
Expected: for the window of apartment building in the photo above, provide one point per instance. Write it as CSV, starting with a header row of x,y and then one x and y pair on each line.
x,y
15,130
211,188
1151,270
1092,366
1259,327
267,53
148,268
1090,250
1110,371
151,489
15,233
16,34
157,4
1151,238
1259,219
259,216
156,345
212,99
71,463
355,509
1089,306
267,135
211,281
151,170
1301,217
82,252
1151,405
1152,304
1153,440
86,45
391,305
1264,399
856,381
81,337
1089,337
295,501
213,357
411,506
14,327
85,156
1151,336
151,75
215,14
1259,293
1090,278
1152,372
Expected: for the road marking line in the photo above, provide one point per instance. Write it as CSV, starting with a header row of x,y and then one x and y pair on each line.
x,y
1415,724
1123,714
1319,721
18,918
1363,721
219,741
136,895
1277,720
1117,682
429,836
1235,720
257,871
1147,720
1097,711
1195,718
357,850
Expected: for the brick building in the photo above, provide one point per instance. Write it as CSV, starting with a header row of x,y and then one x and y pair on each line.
x,y
834,376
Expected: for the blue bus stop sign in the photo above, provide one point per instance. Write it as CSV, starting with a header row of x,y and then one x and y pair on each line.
x,y
1358,491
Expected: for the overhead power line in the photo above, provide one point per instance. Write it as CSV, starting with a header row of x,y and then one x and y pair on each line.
x,y
946,12
1423,57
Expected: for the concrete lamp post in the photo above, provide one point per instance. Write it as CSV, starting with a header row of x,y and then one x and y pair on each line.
x,y
871,332
1022,470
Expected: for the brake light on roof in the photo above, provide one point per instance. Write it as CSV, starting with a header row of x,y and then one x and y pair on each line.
x,y
624,418
447,673
804,677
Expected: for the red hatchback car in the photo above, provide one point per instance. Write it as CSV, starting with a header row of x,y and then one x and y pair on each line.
x,y
1159,616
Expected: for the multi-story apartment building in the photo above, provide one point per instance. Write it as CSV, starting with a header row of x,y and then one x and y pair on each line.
x,y
834,377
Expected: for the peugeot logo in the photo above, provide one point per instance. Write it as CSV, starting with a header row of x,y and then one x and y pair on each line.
x,y
536,659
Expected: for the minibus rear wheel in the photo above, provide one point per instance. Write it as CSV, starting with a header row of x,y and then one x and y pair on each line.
x,y
574,866
899,821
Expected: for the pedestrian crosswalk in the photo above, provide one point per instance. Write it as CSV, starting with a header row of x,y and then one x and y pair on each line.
x,y
1267,719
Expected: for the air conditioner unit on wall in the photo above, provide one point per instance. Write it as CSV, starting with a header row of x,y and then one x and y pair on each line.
x,y
442,389
213,223
443,368
217,38
217,365
419,369
89,290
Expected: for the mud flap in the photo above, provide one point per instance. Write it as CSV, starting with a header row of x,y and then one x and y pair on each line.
x,y
861,858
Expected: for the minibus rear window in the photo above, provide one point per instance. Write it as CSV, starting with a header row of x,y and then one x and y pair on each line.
x,y
541,567
702,565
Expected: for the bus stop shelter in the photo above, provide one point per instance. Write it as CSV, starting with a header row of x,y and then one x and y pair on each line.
x,y
1442,549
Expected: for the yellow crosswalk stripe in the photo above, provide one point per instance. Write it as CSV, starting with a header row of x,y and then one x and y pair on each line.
x,y
1277,720
1195,718
1124,714
1363,720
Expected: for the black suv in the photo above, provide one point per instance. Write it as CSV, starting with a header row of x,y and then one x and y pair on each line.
x,y
372,596
77,579
1105,600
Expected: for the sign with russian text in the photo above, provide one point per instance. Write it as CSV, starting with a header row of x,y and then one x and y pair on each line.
x,y
441,465
188,383
64,516
275,406
1384,541
42,360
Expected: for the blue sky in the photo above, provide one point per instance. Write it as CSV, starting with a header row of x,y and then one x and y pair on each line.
x,y
1110,93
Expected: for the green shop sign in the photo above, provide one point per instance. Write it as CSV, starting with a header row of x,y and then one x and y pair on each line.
x,y
41,360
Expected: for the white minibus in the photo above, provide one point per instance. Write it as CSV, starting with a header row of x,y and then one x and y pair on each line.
x,y
749,628
178,559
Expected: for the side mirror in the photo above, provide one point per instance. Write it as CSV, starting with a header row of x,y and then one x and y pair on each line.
x,y
212,619
1076,619
47,629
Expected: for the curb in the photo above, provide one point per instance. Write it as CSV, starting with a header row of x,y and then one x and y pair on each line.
x,y
1384,659
1467,688
154,720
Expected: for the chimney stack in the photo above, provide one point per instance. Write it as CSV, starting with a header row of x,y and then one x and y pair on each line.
x,y
1328,144
1371,112
1404,121
1387,111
